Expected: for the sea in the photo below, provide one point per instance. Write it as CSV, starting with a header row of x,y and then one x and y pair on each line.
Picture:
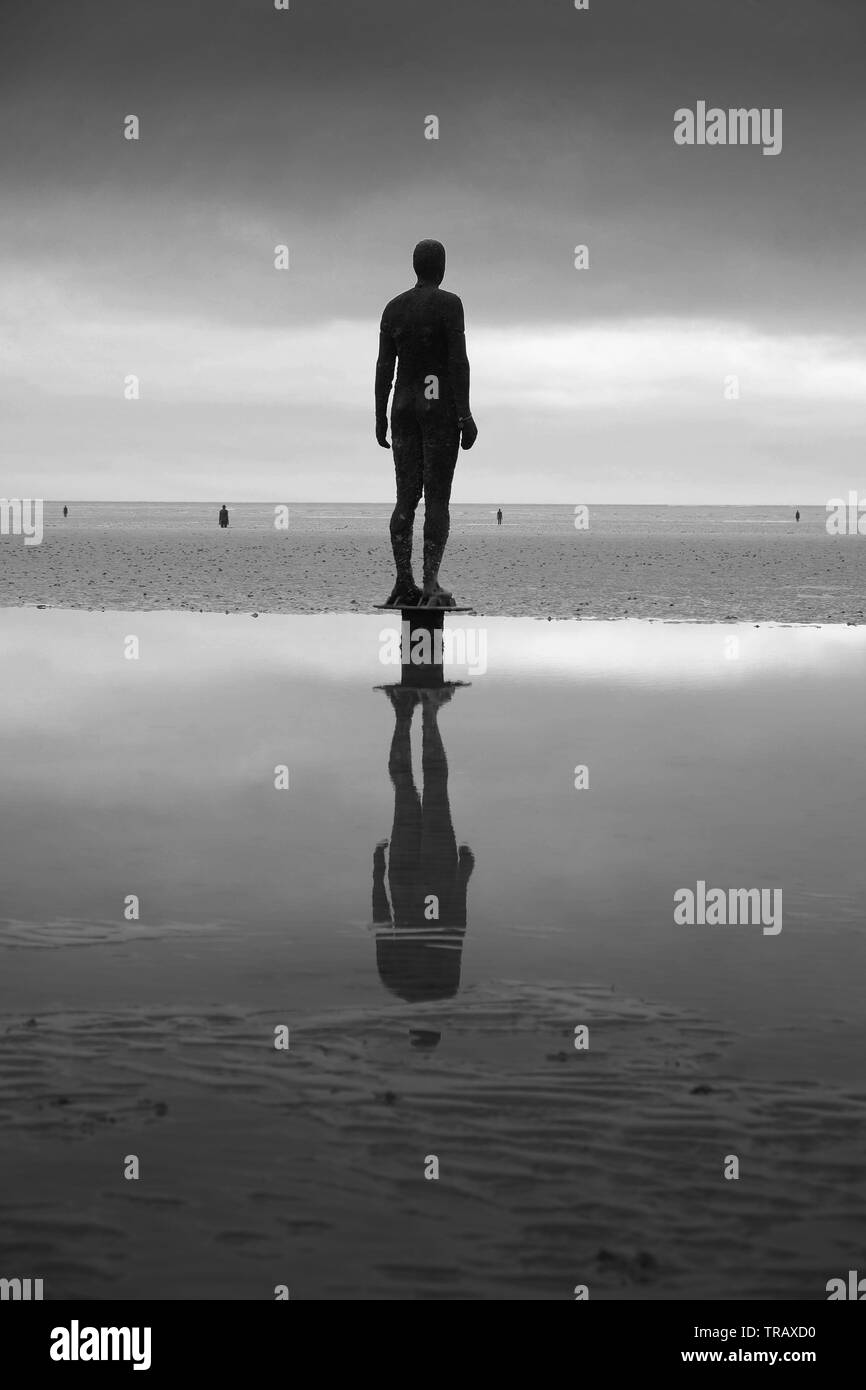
x,y
363,517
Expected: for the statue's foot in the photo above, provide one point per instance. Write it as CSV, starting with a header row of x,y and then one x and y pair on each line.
x,y
404,698
436,695
405,594
434,596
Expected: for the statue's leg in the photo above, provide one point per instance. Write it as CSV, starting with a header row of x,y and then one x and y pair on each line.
x,y
406,830
441,443
438,844
409,469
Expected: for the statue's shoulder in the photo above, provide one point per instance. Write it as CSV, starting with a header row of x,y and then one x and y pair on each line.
x,y
394,305
450,307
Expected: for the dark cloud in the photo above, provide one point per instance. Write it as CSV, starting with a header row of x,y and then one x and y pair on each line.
x,y
306,127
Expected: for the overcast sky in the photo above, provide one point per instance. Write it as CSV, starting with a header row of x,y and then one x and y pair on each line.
x,y
306,127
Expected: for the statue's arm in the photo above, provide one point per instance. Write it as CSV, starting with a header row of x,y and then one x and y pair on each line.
x,y
385,363
458,362
381,906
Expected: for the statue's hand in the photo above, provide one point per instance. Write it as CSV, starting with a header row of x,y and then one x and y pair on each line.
x,y
468,432
382,434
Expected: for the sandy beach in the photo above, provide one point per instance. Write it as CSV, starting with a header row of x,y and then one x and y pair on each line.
x,y
674,571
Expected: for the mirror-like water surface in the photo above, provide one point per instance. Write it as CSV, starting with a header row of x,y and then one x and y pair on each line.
x,y
432,906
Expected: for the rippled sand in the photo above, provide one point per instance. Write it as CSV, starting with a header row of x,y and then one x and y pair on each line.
x,y
557,1167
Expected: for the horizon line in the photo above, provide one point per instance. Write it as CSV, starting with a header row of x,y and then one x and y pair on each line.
x,y
389,502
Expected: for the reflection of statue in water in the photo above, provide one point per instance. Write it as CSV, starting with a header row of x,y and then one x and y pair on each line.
x,y
418,954
422,331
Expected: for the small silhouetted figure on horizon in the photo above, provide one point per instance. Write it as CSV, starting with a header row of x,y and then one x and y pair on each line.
x,y
499,517
797,514
421,332
224,516
65,511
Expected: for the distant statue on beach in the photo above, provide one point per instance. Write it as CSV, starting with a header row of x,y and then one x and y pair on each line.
x,y
224,516
65,512
499,517
797,514
422,332
419,933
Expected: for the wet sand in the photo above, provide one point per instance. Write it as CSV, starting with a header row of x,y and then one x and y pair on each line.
x,y
305,1167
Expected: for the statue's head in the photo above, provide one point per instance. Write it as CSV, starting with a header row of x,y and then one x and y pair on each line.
x,y
428,261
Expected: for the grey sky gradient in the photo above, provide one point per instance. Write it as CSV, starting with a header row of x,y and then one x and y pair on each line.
x,y
306,127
